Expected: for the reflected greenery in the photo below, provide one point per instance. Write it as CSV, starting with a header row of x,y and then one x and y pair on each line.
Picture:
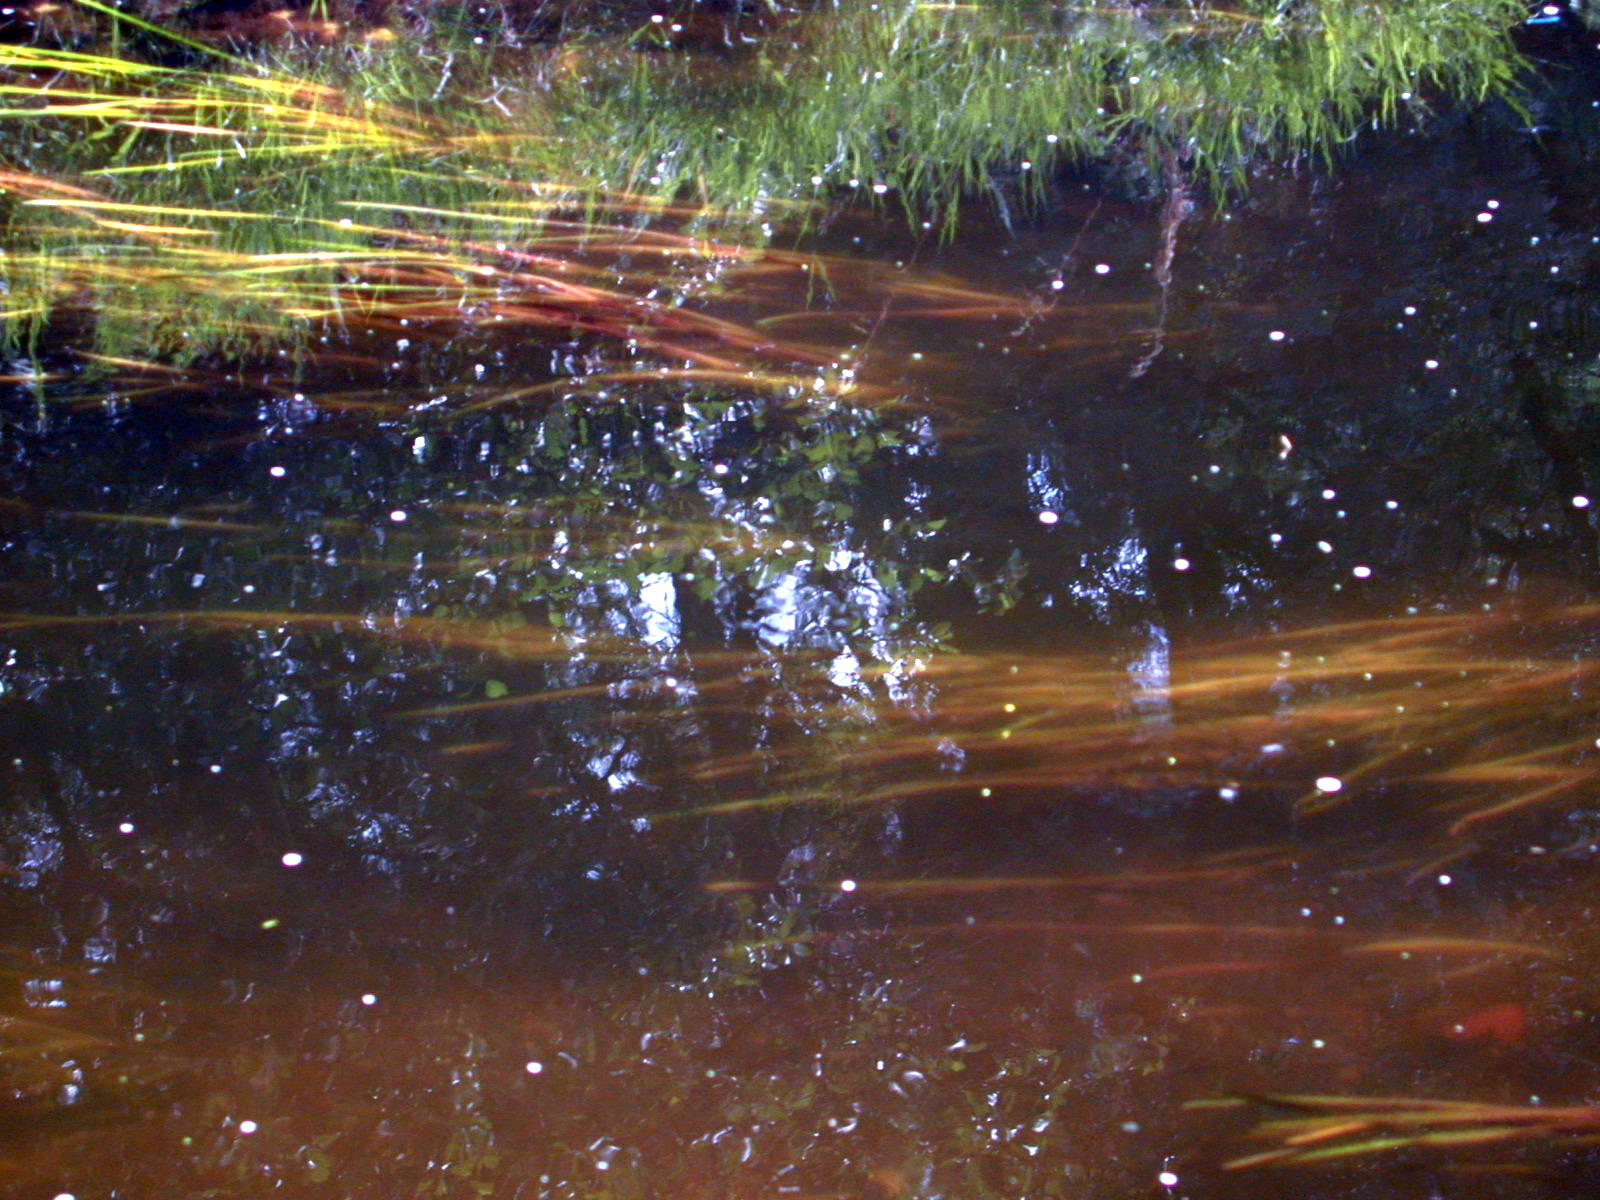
x,y
575,186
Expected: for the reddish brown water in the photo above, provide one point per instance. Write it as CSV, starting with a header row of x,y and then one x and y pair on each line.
x,y
705,794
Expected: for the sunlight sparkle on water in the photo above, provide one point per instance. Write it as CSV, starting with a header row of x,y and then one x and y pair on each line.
x,y
1580,502
292,859
1277,335
277,472
1102,269
1167,1179
847,885
125,827
1050,518
533,1068
1329,784
248,1127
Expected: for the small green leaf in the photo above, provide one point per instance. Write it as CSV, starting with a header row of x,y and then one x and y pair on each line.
x,y
495,690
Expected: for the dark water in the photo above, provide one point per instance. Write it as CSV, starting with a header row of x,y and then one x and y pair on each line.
x,y
1120,701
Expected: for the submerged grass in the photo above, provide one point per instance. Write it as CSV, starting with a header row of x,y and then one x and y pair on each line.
x,y
610,183
1329,1130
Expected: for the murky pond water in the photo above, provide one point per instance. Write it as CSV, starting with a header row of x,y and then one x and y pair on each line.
x,y
1139,740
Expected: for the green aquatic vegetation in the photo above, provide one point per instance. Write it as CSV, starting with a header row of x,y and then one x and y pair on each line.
x,y
1328,1130
437,178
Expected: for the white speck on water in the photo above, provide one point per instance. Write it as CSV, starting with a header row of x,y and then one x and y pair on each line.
x,y
1328,493
880,188
398,515
1411,310
1485,217
277,472
1580,502
368,999
1492,204
1329,784
125,827
1555,270
1274,538
1277,335
847,885
1228,793
1391,505
1432,364
1102,269
1325,547
1305,912
1362,572
1272,748
1180,564
533,1067
292,859
1049,517
719,468
1056,285
1445,881
248,1126
216,768
1167,1179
